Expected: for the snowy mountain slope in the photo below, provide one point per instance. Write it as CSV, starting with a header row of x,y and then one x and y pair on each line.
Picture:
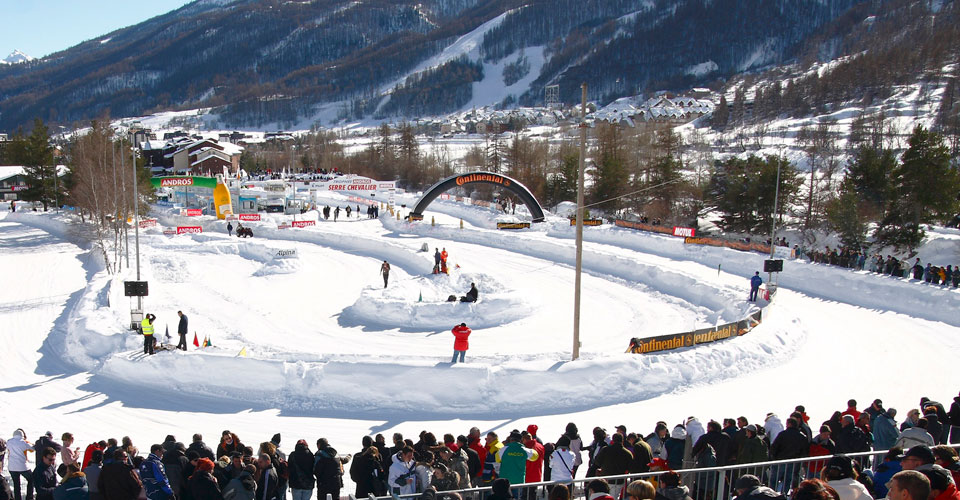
x,y
16,57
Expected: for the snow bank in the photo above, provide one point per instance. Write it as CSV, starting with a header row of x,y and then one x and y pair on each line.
x,y
422,303
382,385
725,304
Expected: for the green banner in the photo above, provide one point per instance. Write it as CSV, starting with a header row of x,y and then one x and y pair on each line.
x,y
184,181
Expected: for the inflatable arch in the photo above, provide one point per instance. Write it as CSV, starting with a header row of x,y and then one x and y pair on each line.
x,y
491,178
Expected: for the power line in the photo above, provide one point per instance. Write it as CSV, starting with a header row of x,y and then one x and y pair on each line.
x,y
633,192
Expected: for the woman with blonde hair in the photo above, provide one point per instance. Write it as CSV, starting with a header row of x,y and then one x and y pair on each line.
x,y
641,490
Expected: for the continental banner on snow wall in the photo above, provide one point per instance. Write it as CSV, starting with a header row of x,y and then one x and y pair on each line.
x,y
699,240
689,339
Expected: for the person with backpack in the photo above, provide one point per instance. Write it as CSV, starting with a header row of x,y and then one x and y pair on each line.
x,y
300,477
562,462
474,464
242,487
175,462
328,469
368,474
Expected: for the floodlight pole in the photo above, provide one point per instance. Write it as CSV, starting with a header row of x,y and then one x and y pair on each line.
x,y
583,150
136,218
773,227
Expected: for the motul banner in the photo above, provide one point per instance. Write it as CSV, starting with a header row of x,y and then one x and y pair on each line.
x,y
304,223
189,229
249,217
193,212
684,232
145,223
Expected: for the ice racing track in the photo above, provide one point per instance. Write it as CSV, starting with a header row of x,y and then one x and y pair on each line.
x,y
358,351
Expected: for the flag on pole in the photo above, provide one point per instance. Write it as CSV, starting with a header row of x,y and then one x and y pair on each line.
x,y
207,342
243,352
196,341
421,296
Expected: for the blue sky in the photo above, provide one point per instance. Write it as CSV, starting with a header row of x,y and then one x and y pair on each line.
x,y
41,27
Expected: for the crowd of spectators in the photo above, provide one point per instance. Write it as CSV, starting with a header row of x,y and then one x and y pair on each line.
x,y
860,260
444,468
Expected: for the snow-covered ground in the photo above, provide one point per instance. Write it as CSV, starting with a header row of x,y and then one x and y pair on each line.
x,y
331,353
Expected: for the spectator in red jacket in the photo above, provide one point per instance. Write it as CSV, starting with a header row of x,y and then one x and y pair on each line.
x,y
852,410
534,468
460,346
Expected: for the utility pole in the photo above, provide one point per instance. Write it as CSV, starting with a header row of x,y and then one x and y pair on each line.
x,y
136,219
773,227
123,188
583,152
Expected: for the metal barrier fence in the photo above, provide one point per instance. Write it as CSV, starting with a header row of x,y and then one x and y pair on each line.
x,y
711,483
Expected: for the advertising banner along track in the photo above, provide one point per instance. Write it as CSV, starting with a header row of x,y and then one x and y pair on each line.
x,y
662,343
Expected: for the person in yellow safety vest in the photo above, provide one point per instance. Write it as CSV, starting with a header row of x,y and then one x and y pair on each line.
x,y
146,326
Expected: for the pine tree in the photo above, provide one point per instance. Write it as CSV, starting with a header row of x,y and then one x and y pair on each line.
x,y
845,216
408,156
35,153
869,174
925,188
562,185
744,191
721,114
609,169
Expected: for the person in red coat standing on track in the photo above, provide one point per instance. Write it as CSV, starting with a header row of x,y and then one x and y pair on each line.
x,y
460,346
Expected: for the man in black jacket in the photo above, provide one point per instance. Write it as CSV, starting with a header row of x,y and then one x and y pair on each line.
x,y
118,480
46,441
851,438
790,443
175,461
749,488
721,442
182,331
300,465
328,470
267,479
45,475
359,468
203,451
